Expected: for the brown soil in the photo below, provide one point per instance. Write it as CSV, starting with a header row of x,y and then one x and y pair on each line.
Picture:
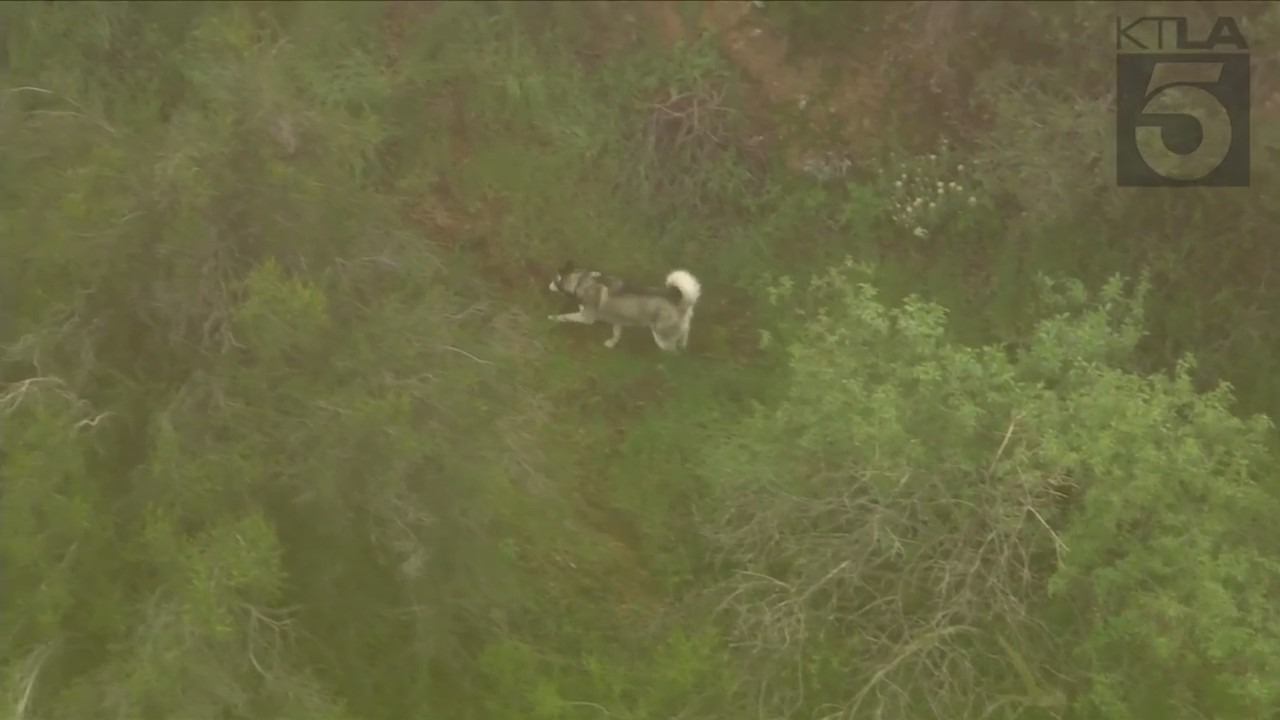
x,y
850,110
399,14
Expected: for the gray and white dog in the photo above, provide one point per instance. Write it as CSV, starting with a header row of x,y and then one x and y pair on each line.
x,y
603,298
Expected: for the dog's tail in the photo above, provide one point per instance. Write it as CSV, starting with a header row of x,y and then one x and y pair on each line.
x,y
689,287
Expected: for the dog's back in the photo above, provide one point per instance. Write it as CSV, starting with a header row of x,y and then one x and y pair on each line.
x,y
632,307
619,287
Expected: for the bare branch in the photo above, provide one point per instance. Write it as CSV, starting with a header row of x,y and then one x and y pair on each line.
x,y
72,113
578,703
94,421
1003,443
464,352
38,658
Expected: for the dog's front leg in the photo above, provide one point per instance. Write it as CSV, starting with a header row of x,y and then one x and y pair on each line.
x,y
577,317
617,335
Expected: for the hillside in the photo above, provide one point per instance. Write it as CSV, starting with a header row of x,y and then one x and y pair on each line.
x,y
964,430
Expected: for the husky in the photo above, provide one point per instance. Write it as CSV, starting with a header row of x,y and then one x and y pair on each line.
x,y
604,298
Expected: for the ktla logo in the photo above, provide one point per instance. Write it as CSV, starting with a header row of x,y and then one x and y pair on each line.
x,y
1182,118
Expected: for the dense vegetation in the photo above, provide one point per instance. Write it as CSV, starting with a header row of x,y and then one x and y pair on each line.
x,y
963,432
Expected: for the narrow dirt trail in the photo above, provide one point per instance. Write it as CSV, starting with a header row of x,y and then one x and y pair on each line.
x,y
441,213
854,106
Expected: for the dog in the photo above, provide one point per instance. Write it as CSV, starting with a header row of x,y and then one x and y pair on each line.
x,y
667,312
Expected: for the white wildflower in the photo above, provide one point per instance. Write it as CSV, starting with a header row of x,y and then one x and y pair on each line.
x,y
972,201
960,168
920,232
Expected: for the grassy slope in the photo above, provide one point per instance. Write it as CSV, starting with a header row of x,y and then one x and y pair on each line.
x,y
545,162
523,167
637,418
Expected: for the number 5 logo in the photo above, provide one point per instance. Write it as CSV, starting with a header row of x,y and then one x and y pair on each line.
x,y
1165,116
1182,119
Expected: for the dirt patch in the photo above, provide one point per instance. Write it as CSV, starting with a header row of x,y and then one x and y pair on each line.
x,y
666,20
401,13
846,113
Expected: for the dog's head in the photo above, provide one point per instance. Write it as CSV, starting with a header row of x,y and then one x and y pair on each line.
x,y
566,279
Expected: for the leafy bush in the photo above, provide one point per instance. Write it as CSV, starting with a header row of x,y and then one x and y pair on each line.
x,y
915,522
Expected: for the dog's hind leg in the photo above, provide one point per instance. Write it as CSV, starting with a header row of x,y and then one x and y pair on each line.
x,y
667,344
617,335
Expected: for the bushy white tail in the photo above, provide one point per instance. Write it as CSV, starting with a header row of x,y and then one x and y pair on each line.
x,y
689,287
